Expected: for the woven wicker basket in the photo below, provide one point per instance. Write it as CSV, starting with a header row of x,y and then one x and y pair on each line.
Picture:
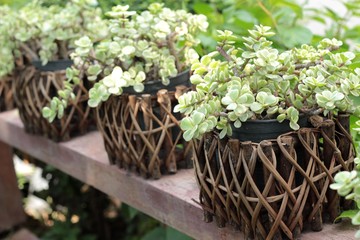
x,y
142,134
273,189
6,94
34,90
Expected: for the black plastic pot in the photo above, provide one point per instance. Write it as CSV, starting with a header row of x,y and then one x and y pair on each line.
x,y
258,130
152,87
52,66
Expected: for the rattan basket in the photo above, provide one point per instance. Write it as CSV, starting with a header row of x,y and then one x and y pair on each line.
x,y
275,188
141,132
33,90
6,93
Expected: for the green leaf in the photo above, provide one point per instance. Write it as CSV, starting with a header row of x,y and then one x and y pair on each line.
x,y
198,117
46,112
355,220
247,54
173,234
203,8
223,133
156,233
94,70
294,35
294,125
203,127
93,103
237,124
52,117
69,73
256,107
128,50
186,124
196,79
60,111
139,87
188,135
246,16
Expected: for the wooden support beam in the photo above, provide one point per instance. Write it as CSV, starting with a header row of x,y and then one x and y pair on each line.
x,y
11,208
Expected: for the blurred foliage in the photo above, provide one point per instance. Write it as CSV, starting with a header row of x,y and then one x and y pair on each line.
x,y
139,5
338,25
96,215
240,15
286,17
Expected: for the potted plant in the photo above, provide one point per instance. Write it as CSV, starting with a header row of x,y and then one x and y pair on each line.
x,y
45,38
145,53
265,183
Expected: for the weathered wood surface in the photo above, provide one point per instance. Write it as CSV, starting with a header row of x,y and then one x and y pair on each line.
x,y
11,210
23,234
168,199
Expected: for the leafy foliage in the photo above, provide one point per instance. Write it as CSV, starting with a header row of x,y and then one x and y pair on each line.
x,y
284,16
154,44
7,26
93,215
347,184
36,32
259,82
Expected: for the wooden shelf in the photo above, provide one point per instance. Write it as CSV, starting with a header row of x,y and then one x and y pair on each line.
x,y
169,199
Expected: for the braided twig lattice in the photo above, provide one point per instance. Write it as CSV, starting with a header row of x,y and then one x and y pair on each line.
x,y
142,134
6,93
34,90
270,189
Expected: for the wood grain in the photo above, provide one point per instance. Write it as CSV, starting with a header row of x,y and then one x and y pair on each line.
x,y
168,199
11,209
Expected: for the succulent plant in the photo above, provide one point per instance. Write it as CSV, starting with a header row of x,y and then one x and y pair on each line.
x,y
347,184
7,26
48,33
234,84
153,45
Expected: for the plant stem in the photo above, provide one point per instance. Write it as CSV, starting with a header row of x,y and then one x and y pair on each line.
x,y
267,12
229,59
30,52
63,53
170,43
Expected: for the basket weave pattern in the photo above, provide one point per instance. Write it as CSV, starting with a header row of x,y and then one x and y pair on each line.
x,y
34,90
269,190
141,134
6,94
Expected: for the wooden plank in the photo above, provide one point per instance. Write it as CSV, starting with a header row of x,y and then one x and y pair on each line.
x,y
11,213
23,234
168,199
339,231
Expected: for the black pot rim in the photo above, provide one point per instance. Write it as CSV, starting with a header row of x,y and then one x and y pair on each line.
x,y
257,130
54,65
151,87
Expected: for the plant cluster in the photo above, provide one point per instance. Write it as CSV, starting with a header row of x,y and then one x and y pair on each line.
x,y
259,82
7,26
347,184
153,45
43,33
